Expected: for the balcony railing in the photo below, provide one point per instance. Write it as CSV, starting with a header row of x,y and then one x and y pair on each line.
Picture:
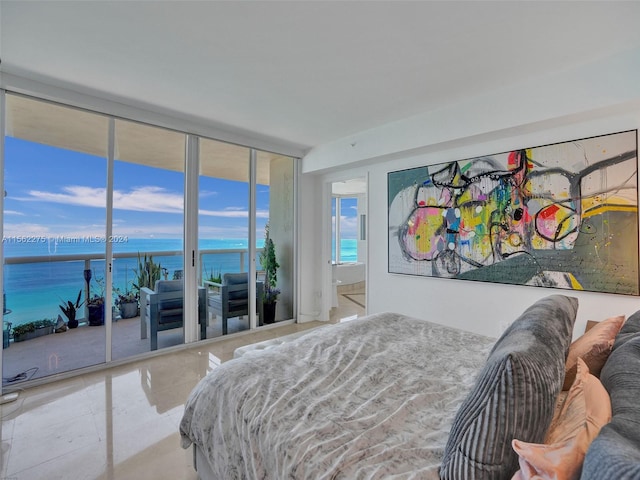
x,y
70,279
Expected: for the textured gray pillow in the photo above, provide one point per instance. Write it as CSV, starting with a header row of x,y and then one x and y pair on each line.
x,y
514,395
629,330
612,455
615,453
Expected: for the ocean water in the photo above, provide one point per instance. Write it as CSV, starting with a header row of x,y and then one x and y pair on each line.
x,y
35,290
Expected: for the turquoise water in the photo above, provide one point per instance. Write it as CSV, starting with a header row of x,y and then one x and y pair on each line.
x,y
34,290
348,250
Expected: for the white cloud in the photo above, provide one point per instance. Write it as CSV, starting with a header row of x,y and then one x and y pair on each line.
x,y
140,199
348,226
148,199
233,212
207,193
15,229
52,231
73,195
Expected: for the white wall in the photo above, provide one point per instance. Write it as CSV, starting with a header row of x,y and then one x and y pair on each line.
x,y
600,98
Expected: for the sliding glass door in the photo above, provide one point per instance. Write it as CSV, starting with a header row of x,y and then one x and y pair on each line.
x,y
275,220
148,226
223,217
227,173
54,239
94,215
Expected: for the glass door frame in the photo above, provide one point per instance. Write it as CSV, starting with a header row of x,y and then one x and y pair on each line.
x,y
3,104
108,270
190,238
253,321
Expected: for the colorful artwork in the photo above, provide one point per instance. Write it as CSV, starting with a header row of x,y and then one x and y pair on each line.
x,y
562,215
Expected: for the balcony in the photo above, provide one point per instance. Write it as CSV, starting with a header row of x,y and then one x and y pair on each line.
x,y
86,345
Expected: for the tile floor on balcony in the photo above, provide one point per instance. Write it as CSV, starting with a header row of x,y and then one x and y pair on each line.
x,y
120,422
85,346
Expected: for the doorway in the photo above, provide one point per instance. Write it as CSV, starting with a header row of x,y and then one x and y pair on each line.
x,y
348,249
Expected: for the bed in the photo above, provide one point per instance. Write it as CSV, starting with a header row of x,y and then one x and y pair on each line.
x,y
316,406
386,396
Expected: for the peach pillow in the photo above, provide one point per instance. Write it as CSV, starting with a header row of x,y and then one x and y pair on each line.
x,y
586,409
593,347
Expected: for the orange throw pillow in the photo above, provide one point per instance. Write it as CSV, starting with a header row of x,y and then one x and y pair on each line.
x,y
586,409
593,347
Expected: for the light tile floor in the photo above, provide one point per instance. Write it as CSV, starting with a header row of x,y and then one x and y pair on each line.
x,y
122,422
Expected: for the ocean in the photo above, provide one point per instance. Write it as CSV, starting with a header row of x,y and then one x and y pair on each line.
x,y
35,290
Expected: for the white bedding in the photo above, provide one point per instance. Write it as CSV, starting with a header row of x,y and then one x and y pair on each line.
x,y
371,398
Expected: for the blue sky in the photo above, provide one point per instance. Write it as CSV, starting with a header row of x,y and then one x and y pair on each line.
x,y
51,191
57,192
348,217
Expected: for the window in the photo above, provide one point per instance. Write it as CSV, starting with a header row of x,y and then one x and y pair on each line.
x,y
345,229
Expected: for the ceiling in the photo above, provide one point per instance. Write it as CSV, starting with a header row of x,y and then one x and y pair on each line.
x,y
87,132
349,188
309,72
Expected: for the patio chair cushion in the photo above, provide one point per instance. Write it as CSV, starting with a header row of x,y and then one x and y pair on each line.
x,y
215,301
237,279
172,315
166,305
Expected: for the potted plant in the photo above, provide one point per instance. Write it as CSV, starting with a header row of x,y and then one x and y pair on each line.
x,y
148,272
70,310
270,266
127,303
96,310
95,305
34,329
213,281
215,275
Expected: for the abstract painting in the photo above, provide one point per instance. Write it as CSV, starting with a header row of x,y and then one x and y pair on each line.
x,y
562,215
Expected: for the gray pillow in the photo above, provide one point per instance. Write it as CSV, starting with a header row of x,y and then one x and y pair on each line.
x,y
514,395
629,330
612,455
615,453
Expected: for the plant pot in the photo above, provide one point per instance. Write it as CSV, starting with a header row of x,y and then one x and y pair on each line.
x,y
129,309
96,315
39,332
269,310
72,323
